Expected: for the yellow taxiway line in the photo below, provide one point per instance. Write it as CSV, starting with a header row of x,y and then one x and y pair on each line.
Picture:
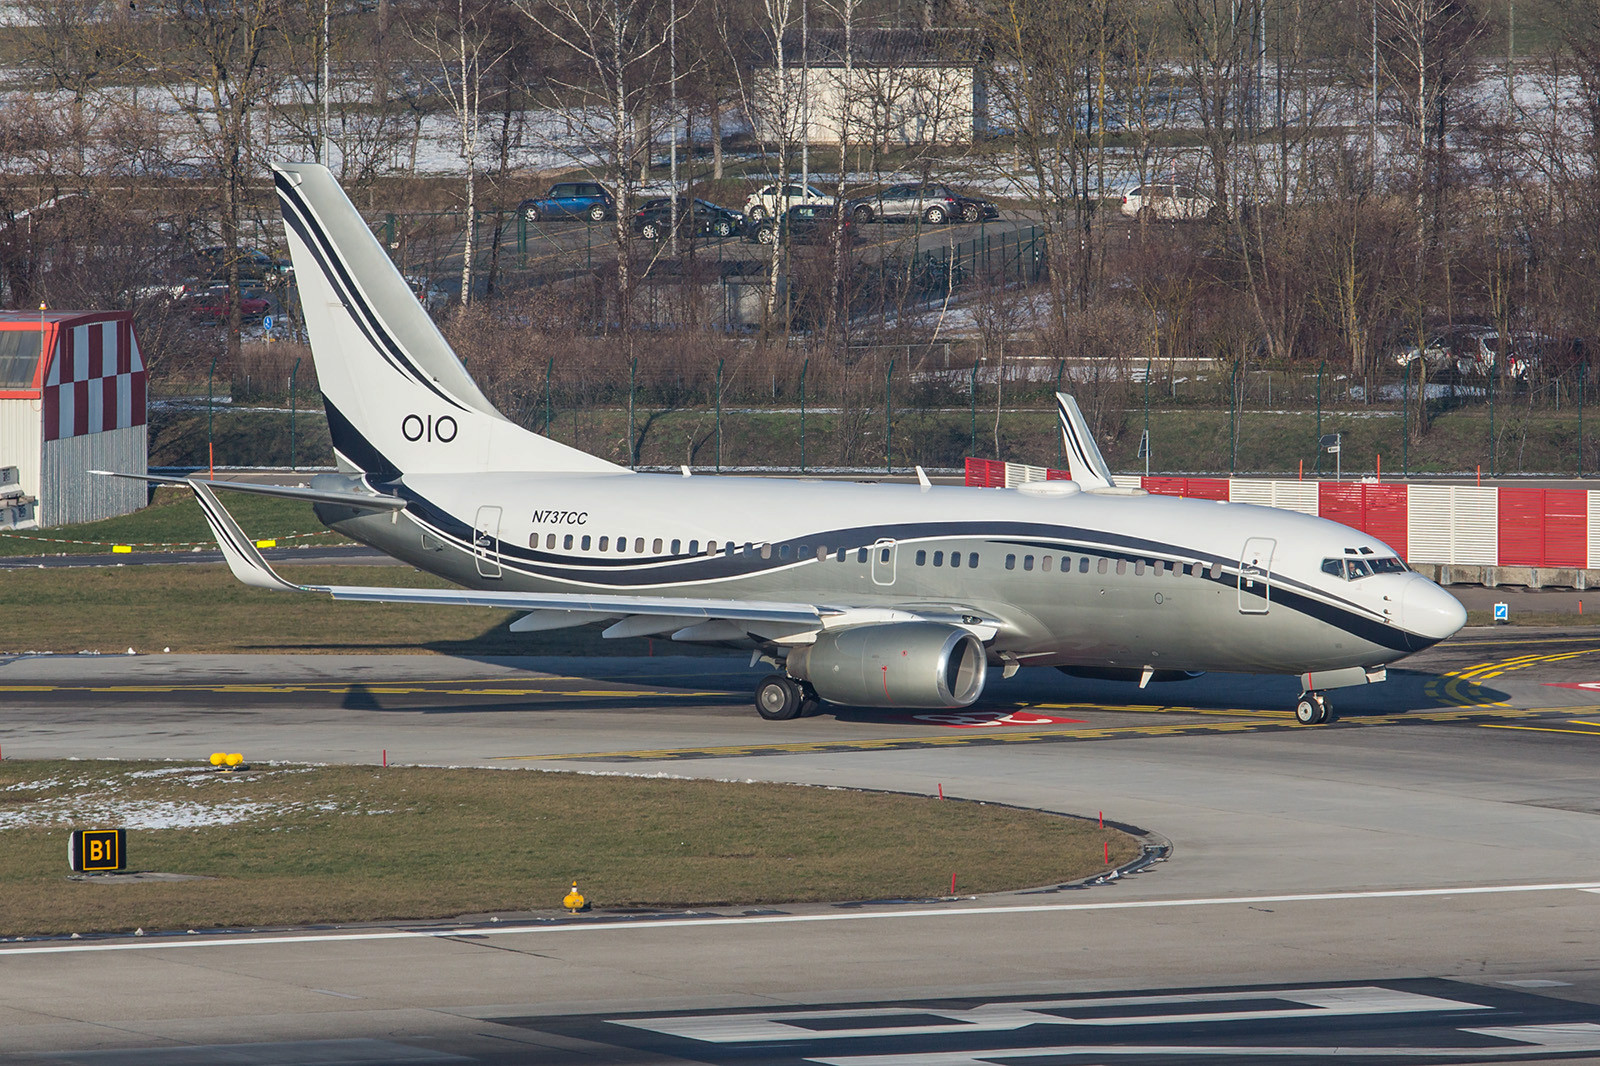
x,y
979,736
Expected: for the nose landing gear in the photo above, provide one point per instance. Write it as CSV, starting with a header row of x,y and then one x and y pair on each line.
x,y
1312,709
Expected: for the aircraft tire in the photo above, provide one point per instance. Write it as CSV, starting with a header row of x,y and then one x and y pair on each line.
x,y
778,698
810,702
1309,710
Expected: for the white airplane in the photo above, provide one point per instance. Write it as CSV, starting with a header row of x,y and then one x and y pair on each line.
x,y
860,595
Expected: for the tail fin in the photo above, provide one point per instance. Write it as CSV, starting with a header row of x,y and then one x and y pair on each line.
x,y
398,399
1087,466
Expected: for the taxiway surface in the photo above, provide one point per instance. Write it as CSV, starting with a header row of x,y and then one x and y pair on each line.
x,y
1419,882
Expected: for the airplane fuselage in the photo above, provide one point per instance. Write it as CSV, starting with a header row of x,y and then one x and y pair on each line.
x,y
1076,578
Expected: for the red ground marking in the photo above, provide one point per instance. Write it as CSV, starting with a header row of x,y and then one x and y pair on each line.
x,y
1591,686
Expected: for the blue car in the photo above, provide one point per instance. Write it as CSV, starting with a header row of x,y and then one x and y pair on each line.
x,y
570,199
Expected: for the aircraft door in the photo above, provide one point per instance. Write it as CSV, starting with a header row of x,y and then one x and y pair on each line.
x,y
486,541
883,559
1255,563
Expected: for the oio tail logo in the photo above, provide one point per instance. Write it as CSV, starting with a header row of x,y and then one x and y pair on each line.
x,y
441,430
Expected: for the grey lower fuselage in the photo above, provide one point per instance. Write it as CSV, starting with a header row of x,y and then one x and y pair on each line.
x,y
1132,581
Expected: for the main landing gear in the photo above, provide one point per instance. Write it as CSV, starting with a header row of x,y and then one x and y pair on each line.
x,y
1313,709
780,698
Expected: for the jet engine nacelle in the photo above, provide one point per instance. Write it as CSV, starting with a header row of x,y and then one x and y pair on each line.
x,y
897,664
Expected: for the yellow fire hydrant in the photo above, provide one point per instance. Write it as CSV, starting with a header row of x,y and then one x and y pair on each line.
x,y
574,901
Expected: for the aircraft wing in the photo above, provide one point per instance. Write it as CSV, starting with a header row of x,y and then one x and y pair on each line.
x,y
688,618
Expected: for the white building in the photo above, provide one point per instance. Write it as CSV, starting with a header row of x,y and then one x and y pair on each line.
x,y
72,399
903,87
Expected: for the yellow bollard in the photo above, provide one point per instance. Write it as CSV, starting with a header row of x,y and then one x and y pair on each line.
x,y
217,757
234,759
574,901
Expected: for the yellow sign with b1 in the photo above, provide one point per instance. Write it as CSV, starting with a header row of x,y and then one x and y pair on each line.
x,y
97,850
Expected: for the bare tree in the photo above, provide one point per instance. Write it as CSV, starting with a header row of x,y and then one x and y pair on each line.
x,y
213,58
459,38
615,49
360,118
1219,42
1425,51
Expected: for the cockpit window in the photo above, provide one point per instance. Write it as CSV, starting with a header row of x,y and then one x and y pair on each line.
x,y
1354,569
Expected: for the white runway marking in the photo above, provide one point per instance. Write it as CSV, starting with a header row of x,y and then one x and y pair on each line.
x,y
1008,1017
1530,1040
474,932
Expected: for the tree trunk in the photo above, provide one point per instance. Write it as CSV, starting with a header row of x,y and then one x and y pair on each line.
x,y
716,141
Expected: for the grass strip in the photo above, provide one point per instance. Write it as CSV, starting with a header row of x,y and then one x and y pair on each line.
x,y
173,518
295,845
202,608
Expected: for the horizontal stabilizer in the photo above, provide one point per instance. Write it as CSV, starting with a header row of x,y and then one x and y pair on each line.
x,y
358,500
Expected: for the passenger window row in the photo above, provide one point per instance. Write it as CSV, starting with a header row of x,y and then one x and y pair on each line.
x,y
939,559
1155,567
784,552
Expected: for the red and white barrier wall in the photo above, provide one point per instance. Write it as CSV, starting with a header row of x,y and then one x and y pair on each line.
x,y
1451,525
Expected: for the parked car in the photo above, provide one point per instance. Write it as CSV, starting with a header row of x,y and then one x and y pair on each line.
x,y
653,220
769,201
570,199
256,268
975,208
429,293
1167,203
1470,349
1445,348
213,306
934,204
801,224
1518,351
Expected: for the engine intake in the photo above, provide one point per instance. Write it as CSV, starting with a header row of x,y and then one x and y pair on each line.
x,y
897,664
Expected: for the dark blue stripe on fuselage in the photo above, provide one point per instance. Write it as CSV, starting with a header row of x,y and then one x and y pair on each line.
x,y
642,572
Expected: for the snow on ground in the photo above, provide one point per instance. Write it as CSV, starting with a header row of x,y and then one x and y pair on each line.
x,y
87,803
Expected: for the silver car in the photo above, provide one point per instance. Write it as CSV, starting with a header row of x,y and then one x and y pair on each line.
x,y
1167,203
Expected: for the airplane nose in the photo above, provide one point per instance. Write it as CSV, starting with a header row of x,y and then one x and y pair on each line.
x,y
1428,611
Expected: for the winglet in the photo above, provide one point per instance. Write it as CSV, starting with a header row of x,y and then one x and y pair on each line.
x,y
1084,462
239,551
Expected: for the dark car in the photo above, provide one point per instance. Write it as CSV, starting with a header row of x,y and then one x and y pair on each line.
x,y
256,268
801,224
975,208
934,204
701,217
570,199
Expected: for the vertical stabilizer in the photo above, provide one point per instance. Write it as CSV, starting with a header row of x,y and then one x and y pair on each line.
x,y
1084,462
398,399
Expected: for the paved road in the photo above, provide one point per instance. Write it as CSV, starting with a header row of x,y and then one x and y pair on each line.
x,y
1410,884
